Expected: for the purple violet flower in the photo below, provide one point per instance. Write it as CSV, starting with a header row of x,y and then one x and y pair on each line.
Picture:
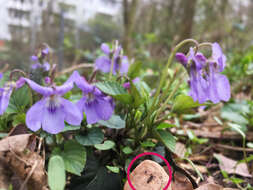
x,y
45,51
5,94
45,66
127,85
94,103
103,63
181,58
206,82
52,110
47,80
37,65
218,56
197,83
34,58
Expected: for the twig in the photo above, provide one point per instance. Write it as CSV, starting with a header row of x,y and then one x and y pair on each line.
x,y
70,69
233,148
39,146
198,125
29,175
217,134
5,68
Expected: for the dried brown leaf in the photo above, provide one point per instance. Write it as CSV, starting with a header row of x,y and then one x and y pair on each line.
x,y
181,182
202,169
15,143
210,186
231,167
181,150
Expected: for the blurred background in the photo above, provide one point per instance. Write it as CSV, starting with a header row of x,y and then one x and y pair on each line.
x,y
148,29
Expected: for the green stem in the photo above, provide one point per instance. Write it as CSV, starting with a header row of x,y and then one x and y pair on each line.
x,y
244,152
113,58
17,71
163,96
170,96
111,69
165,70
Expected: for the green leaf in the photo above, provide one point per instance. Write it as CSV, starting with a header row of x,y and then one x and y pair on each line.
x,y
168,139
184,104
71,128
19,119
74,156
134,70
137,97
113,169
115,122
238,129
56,173
250,144
115,90
107,145
191,116
127,150
236,180
225,174
234,117
165,125
195,168
96,176
195,139
235,112
19,100
146,144
92,137
247,159
104,180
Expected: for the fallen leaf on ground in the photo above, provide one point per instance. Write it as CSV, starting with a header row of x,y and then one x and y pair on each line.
x,y
24,162
202,169
4,179
181,150
210,186
181,182
231,167
15,143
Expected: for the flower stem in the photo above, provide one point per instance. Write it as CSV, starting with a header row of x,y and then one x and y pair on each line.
x,y
165,70
111,69
113,58
171,95
17,71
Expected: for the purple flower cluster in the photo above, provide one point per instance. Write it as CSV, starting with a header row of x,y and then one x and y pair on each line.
x,y
115,57
50,113
94,103
37,59
206,82
52,110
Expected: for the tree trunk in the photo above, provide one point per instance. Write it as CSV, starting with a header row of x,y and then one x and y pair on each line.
x,y
187,18
129,14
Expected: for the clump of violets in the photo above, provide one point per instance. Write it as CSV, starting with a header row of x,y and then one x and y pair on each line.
x,y
112,56
39,60
206,82
52,110
96,105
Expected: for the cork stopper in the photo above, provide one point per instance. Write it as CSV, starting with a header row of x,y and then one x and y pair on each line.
x,y
148,175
